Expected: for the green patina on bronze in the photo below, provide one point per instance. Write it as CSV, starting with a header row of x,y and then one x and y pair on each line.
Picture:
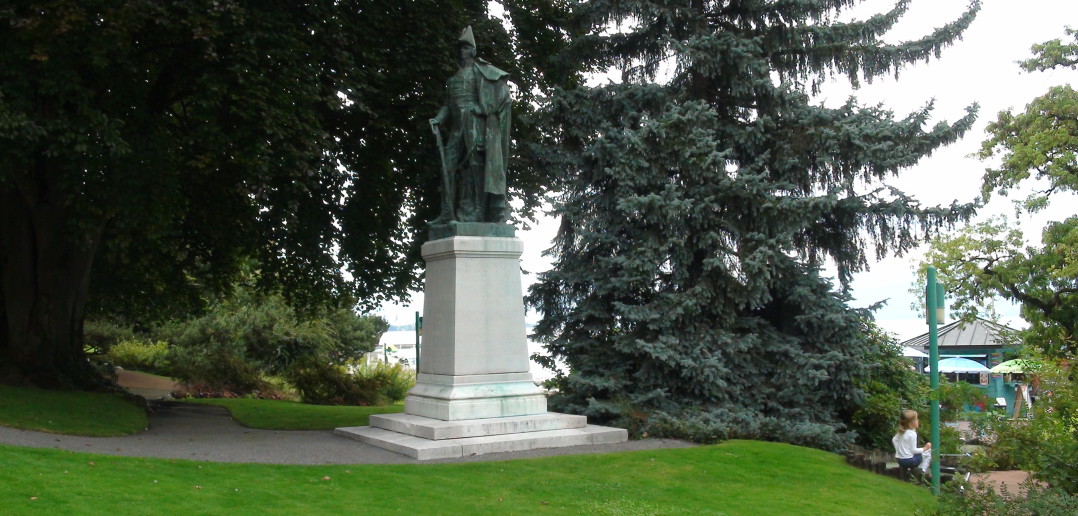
x,y
484,229
475,151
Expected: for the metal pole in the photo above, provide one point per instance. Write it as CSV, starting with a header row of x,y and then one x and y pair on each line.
x,y
418,334
934,359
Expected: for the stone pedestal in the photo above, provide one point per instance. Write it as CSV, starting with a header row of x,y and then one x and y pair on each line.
x,y
474,393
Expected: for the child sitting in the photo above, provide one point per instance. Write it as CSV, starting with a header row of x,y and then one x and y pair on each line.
x,y
905,441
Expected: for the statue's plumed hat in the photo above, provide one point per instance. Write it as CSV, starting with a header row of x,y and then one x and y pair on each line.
x,y
466,37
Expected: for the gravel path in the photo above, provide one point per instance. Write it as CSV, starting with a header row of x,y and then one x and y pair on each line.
x,y
208,433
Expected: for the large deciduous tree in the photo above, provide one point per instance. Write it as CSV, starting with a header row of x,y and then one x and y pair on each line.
x,y
1039,148
703,193
151,148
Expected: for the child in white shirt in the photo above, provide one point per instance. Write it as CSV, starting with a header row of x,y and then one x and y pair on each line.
x,y
905,441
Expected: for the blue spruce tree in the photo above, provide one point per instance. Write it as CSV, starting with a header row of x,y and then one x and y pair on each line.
x,y
700,196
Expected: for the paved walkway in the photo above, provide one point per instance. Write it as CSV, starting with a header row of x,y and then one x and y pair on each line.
x,y
149,386
208,433
1011,481
205,432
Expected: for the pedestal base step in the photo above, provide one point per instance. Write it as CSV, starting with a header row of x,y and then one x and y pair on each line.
x,y
437,429
426,449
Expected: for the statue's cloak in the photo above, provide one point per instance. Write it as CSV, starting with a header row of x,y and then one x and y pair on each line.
x,y
495,103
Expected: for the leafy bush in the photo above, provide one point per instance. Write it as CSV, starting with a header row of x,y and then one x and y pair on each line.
x,y
99,335
323,383
956,396
394,380
963,499
266,391
319,381
950,439
890,386
979,462
1047,444
217,366
140,355
238,343
1007,438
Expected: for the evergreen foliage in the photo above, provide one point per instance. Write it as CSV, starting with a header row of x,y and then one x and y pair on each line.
x,y
701,195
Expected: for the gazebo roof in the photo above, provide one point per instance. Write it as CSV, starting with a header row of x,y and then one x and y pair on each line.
x,y
979,333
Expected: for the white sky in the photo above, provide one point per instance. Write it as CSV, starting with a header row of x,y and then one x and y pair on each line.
x,y
980,68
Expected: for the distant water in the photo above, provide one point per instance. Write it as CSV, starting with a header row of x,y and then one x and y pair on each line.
x,y
403,341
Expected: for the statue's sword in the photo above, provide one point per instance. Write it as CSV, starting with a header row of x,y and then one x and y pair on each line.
x,y
447,178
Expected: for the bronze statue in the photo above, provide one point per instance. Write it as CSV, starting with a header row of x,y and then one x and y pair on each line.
x,y
475,154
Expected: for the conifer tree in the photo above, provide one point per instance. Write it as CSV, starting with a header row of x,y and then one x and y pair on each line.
x,y
701,196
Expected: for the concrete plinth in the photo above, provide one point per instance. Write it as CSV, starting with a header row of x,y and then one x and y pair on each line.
x,y
473,308
474,393
425,449
453,398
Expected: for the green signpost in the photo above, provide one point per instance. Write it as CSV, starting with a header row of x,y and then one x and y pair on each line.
x,y
934,304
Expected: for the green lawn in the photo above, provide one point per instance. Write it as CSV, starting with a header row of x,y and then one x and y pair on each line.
x,y
69,412
289,415
738,477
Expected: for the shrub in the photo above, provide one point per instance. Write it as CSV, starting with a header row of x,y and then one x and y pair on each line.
x,y
393,380
268,391
963,499
950,440
140,355
1045,445
240,342
718,424
317,380
320,382
890,385
236,343
956,396
217,365
1008,440
99,335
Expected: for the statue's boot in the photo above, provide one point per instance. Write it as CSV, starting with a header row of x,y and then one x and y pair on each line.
x,y
498,210
445,217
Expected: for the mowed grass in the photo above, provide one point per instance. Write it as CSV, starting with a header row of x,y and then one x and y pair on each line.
x,y
737,477
289,415
69,412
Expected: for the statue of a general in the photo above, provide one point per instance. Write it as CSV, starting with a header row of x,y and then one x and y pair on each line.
x,y
475,153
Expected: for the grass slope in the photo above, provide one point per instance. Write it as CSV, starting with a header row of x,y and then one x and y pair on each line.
x,y
737,477
288,415
69,412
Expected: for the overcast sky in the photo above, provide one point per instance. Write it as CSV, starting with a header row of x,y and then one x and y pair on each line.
x,y
981,68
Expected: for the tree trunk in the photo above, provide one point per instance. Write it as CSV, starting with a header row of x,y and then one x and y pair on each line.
x,y
45,266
